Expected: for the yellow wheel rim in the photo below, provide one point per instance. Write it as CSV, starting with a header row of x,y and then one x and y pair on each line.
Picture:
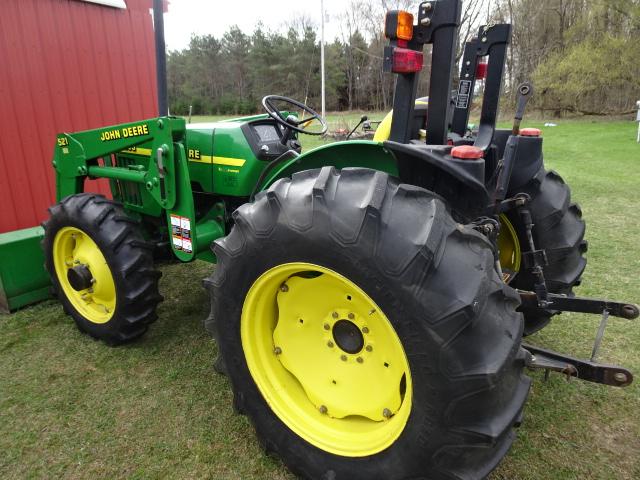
x,y
73,248
326,359
508,249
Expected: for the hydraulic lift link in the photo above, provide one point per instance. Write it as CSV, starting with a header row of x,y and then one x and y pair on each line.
x,y
613,375
563,303
587,370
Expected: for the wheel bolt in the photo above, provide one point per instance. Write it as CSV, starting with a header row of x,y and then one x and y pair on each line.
x,y
323,409
369,348
343,358
359,360
277,350
365,329
351,316
334,314
327,326
330,344
386,413
284,287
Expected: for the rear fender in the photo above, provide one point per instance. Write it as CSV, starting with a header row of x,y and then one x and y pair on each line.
x,y
354,153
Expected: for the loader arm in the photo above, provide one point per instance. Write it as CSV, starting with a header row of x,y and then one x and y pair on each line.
x,y
161,174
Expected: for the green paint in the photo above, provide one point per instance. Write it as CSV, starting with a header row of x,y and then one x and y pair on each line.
x,y
23,279
83,154
355,153
205,167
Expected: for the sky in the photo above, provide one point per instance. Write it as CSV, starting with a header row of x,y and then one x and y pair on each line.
x,y
214,17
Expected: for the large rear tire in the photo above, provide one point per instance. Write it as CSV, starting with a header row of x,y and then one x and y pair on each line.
x,y
559,230
327,264
101,268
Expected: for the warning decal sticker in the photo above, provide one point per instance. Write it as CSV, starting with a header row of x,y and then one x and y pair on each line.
x,y
181,233
462,100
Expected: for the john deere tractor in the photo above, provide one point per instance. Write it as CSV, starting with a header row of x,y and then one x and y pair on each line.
x,y
368,296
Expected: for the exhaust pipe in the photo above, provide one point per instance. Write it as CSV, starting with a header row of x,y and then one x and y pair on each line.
x,y
161,58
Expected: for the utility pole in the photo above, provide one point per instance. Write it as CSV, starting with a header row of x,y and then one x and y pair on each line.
x,y
322,55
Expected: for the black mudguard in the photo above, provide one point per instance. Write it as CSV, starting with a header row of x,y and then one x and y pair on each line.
x,y
460,182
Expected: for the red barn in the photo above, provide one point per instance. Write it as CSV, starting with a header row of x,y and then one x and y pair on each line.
x,y
65,65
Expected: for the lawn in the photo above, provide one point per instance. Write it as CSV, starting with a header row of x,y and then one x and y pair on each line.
x,y
72,407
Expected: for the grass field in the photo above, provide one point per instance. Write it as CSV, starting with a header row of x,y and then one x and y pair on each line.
x,y
71,407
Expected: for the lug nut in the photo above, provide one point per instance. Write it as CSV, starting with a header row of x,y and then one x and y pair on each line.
x,y
351,316
365,329
277,350
386,413
369,348
359,360
323,409
327,326
334,314
330,344
343,358
284,287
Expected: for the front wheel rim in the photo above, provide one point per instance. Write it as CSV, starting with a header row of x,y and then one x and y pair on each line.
x,y
73,247
326,359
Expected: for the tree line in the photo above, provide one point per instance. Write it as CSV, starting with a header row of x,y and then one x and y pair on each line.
x,y
583,56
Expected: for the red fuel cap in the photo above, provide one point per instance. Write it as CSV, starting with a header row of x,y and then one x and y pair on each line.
x,y
467,152
530,132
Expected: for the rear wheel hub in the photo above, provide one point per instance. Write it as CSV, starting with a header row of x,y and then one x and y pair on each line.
x,y
348,336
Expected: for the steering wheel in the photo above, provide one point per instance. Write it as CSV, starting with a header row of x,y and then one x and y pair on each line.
x,y
291,122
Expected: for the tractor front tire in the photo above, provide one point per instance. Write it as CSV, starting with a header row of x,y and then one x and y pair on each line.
x,y
366,334
101,268
558,230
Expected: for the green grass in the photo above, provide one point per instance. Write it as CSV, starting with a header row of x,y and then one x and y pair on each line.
x,y
72,407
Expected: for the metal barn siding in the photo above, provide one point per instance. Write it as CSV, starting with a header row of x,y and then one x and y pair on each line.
x,y
65,65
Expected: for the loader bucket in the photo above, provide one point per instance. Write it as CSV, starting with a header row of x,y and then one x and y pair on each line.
x,y
23,278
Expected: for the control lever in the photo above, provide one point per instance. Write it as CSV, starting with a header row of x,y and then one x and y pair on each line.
x,y
525,91
363,119
160,152
506,163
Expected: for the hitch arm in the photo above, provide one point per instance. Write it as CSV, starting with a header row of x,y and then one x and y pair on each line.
x,y
581,305
613,375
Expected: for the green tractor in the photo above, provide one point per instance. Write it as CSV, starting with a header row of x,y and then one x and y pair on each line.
x,y
369,297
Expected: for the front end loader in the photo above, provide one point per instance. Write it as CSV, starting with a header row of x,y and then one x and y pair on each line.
x,y
369,298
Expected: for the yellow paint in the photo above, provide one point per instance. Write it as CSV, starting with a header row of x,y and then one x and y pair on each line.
x,y
138,151
233,162
509,248
384,128
71,247
124,132
333,399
